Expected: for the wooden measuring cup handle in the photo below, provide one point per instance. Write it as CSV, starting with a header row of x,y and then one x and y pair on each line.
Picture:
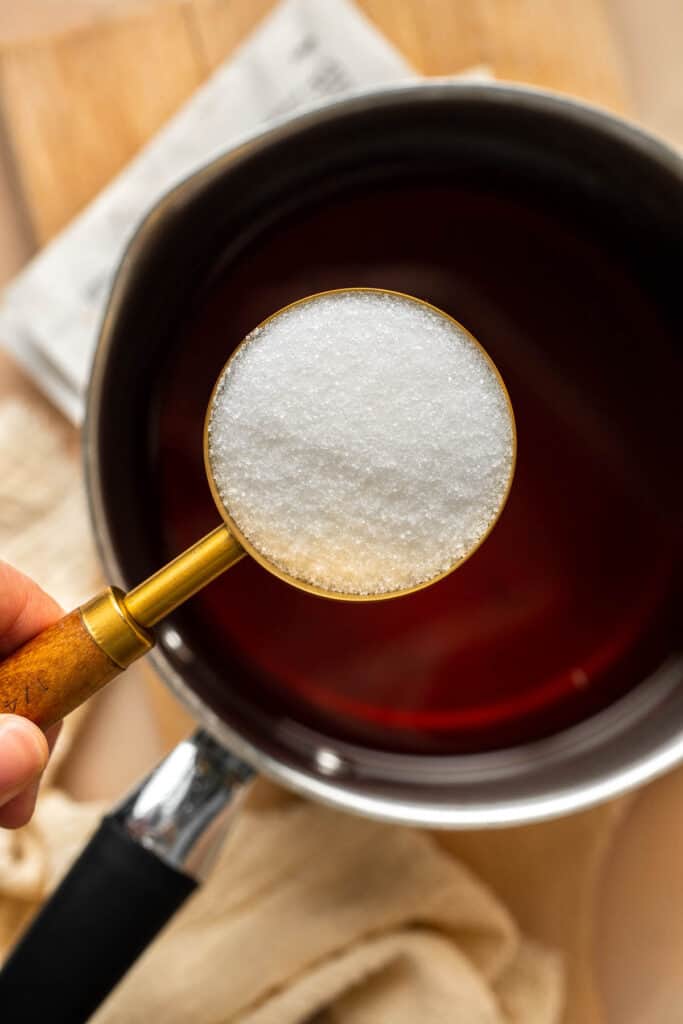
x,y
69,661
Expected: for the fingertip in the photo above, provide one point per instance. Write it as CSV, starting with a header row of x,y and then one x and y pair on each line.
x,y
24,753
18,811
32,737
25,609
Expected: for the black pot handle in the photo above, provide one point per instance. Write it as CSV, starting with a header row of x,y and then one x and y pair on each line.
x,y
112,903
136,871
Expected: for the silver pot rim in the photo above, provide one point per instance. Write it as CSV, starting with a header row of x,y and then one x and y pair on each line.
x,y
614,723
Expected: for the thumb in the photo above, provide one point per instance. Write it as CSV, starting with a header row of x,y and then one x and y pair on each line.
x,y
23,755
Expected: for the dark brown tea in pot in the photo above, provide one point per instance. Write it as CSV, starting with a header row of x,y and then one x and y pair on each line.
x,y
573,599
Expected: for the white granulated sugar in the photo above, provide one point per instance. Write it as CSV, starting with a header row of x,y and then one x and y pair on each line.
x,y
361,442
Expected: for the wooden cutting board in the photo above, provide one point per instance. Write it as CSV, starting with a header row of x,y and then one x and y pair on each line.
x,y
79,101
81,91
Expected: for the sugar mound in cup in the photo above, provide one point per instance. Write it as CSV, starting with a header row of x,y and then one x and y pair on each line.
x,y
361,442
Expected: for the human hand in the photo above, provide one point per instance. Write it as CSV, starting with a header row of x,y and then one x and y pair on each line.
x,y
24,748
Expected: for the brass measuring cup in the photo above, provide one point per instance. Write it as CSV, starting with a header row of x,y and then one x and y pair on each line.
x,y
70,661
